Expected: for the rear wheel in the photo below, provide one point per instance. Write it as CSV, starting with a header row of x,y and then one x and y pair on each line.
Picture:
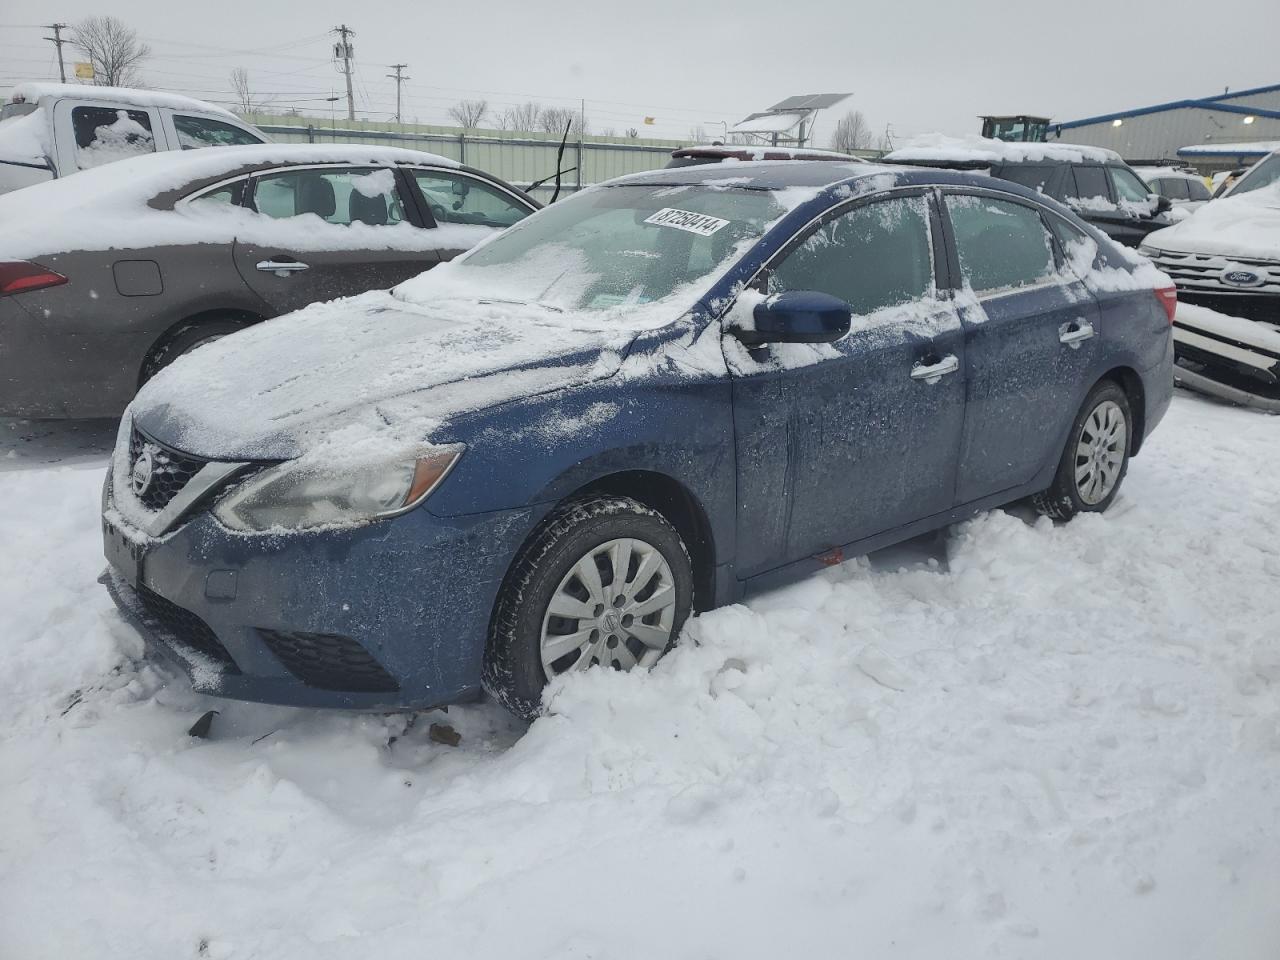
x,y
604,582
1096,457
183,341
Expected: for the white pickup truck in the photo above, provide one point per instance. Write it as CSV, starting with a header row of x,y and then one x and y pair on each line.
x,y
52,130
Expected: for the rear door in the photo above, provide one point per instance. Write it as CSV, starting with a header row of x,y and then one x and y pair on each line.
x,y
329,231
839,442
91,133
1031,339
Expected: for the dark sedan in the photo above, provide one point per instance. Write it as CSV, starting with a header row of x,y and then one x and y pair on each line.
x,y
108,276
649,399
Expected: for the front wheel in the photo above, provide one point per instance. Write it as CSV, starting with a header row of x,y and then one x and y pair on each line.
x,y
604,582
1096,457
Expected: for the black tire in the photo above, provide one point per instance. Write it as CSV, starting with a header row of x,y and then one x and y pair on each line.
x,y
183,341
513,669
1064,498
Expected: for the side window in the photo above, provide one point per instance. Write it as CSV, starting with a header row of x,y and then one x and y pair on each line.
x,y
461,199
1175,188
1196,190
336,196
874,256
1032,176
106,134
196,132
1001,244
1091,185
228,195
1067,189
1129,189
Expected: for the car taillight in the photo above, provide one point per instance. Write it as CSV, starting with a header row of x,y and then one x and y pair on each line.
x,y
18,276
1168,297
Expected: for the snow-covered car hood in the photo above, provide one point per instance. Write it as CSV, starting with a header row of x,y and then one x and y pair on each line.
x,y
364,375
1247,225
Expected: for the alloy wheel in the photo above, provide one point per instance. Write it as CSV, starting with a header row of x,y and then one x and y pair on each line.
x,y
616,606
1100,452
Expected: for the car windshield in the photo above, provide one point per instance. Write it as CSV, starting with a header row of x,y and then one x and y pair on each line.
x,y
1263,175
611,247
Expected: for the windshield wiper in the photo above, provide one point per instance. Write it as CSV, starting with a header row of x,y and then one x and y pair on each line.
x,y
522,303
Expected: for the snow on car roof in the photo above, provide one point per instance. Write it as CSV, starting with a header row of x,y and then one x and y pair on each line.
x,y
934,147
32,92
107,207
1147,173
760,151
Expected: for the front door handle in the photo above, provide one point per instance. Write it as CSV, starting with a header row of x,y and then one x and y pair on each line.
x,y
933,372
1075,333
281,268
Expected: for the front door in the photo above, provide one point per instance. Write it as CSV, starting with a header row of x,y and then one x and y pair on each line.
x,y
1031,339
839,442
326,232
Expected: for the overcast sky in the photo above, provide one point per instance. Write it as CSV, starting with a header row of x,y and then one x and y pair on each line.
x,y
914,67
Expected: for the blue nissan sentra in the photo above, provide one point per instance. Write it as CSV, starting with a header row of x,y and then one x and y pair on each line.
x,y
642,402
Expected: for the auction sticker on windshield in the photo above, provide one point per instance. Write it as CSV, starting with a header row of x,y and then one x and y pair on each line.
x,y
698,223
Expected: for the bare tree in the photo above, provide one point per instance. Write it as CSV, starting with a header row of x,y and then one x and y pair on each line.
x,y
609,132
632,132
851,133
555,119
697,134
113,49
245,101
469,114
523,117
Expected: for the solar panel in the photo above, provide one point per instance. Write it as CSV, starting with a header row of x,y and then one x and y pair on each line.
x,y
810,101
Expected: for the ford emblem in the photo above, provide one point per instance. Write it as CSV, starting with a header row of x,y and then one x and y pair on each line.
x,y
1241,278
143,468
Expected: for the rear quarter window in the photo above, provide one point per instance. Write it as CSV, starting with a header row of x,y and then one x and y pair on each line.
x,y
1032,176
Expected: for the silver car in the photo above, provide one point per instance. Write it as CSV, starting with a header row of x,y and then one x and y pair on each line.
x,y
108,276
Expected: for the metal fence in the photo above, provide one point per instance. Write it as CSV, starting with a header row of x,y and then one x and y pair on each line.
x,y
520,159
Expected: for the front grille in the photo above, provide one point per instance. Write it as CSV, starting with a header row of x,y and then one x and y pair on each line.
x,y
1203,272
183,628
327,661
170,470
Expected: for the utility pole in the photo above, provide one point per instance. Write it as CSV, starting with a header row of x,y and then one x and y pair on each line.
x,y
344,51
399,78
57,41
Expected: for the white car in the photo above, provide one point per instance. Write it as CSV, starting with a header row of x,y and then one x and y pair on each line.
x,y
50,130
1225,261
1186,191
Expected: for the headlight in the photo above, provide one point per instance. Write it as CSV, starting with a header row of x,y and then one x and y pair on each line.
x,y
304,493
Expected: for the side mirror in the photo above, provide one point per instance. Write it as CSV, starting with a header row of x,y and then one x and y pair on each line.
x,y
798,316
1162,204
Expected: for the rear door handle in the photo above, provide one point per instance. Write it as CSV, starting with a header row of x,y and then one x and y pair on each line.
x,y
1075,333
933,372
281,268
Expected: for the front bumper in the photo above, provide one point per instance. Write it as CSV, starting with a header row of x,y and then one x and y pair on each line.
x,y
389,615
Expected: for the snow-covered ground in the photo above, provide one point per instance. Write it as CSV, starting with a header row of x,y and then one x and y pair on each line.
x,y
1014,740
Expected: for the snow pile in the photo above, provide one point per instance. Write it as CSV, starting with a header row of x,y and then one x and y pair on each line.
x,y
25,139
110,207
1022,741
938,147
1238,225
